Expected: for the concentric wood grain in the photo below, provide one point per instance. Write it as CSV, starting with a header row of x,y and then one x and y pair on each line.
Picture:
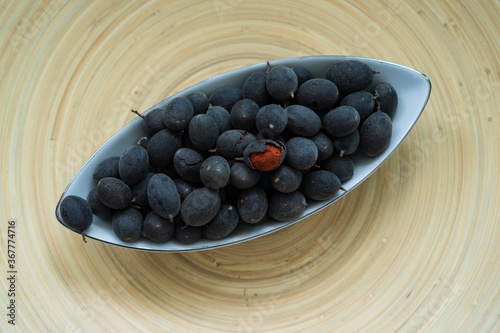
x,y
415,248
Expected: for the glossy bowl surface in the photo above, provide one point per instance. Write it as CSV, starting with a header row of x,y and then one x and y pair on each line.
x,y
412,86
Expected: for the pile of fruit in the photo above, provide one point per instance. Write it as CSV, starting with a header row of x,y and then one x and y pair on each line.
x,y
240,155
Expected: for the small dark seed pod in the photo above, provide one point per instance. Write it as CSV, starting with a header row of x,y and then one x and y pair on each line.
x,y
98,208
107,168
157,228
225,97
114,193
281,83
286,206
252,204
320,185
133,164
222,224
76,213
342,167
127,224
178,113
386,98
163,196
200,206
186,234
375,134
350,75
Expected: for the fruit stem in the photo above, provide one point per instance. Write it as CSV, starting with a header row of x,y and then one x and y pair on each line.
x,y
142,139
268,68
83,237
137,113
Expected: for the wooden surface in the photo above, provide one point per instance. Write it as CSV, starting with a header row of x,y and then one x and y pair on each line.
x,y
415,248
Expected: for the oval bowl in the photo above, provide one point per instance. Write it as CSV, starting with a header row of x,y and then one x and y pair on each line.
x,y
412,86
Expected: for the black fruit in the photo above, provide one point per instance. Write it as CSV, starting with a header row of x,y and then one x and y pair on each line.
x,y
178,113
222,117
114,193
286,206
200,207
215,172
106,168
350,75
98,208
199,101
341,121
140,190
363,101
303,74
158,229
225,97
127,224
342,167
152,122
186,234
187,163
302,121
301,153
318,94
133,164
76,213
375,134
163,196
347,145
324,144
286,179
162,147
320,185
386,98
255,89
252,204
271,120
243,115
222,224
243,177
203,131
183,187
281,83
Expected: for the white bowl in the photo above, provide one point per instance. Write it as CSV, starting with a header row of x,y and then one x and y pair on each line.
x,y
413,89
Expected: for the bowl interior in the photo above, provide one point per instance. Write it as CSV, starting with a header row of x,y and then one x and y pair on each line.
x,y
412,86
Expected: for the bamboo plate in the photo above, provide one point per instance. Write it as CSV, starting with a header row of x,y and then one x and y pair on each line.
x,y
414,248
